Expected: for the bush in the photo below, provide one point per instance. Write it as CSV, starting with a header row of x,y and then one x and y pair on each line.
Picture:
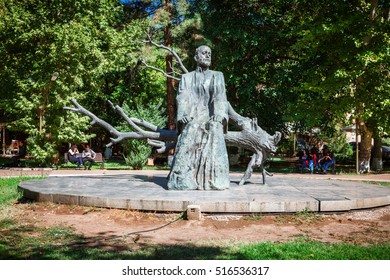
x,y
136,152
341,149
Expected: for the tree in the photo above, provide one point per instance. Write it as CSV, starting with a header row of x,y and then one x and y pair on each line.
x,y
307,63
84,41
251,46
172,22
343,49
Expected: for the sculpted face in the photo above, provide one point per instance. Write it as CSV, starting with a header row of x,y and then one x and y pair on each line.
x,y
203,56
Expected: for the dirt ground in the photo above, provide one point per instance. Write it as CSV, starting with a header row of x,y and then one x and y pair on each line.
x,y
359,227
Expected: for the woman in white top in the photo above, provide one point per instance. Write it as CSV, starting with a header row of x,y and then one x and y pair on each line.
x,y
73,156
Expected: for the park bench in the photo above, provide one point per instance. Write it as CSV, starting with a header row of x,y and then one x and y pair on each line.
x,y
98,159
26,161
155,156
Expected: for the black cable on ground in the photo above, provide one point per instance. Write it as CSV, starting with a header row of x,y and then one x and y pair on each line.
x,y
123,235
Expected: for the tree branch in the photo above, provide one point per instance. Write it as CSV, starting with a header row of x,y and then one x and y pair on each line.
x,y
139,133
173,71
163,147
171,50
95,119
159,70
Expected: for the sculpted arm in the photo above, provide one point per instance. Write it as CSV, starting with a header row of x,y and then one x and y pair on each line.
x,y
183,101
219,101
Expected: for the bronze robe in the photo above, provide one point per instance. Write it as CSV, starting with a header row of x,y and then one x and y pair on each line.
x,y
201,160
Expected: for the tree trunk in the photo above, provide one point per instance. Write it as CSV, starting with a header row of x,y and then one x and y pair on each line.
x,y
377,163
168,67
365,148
366,133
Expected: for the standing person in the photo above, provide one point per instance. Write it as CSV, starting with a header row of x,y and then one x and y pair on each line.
x,y
15,160
201,161
74,156
88,156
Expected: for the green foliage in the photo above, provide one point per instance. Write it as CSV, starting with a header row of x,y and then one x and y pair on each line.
x,y
251,49
8,189
307,63
386,141
338,144
299,64
312,250
342,49
185,31
84,41
135,152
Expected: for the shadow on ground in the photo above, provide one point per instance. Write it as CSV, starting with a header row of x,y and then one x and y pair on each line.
x,y
20,241
27,242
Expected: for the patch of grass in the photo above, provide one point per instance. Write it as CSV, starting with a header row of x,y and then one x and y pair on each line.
x,y
8,189
313,250
385,184
253,217
59,231
308,216
300,217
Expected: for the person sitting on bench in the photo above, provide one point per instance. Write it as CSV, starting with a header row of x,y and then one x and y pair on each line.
x,y
15,160
88,156
326,162
74,157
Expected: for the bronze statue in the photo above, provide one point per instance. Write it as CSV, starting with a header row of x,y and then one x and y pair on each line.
x,y
201,161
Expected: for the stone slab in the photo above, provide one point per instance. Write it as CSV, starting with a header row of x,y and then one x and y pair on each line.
x,y
148,192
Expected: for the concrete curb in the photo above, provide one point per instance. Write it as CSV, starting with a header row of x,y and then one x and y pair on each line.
x,y
146,191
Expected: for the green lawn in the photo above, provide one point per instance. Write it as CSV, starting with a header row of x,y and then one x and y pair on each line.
x,y
24,240
8,189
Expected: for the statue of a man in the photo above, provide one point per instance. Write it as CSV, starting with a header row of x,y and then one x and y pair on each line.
x,y
201,161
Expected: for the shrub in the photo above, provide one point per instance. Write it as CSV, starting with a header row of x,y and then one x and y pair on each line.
x,y
341,149
135,152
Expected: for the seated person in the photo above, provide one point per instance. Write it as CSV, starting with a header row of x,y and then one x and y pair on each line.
x,y
326,161
311,161
15,160
73,156
303,160
88,156
316,153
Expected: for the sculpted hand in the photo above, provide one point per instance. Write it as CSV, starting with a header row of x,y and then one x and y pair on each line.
x,y
185,120
217,118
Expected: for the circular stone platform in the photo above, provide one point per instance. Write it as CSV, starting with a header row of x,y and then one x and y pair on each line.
x,y
280,194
